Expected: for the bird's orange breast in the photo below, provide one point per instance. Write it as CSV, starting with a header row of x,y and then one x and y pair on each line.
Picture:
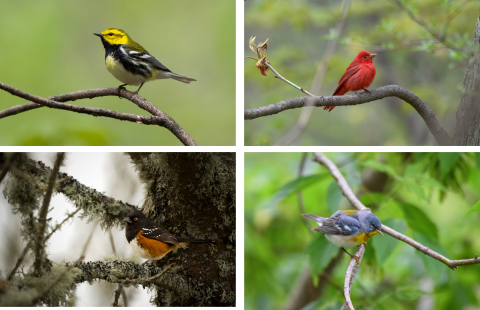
x,y
154,247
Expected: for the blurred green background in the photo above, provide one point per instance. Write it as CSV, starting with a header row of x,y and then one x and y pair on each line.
x,y
48,48
424,195
299,32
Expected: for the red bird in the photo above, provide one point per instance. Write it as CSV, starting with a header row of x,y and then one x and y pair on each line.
x,y
358,75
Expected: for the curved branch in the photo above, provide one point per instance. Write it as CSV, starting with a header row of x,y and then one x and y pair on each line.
x,y
57,102
347,192
425,112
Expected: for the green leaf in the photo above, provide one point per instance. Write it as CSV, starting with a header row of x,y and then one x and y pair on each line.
x,y
382,167
419,221
447,162
408,292
320,252
415,188
334,197
373,198
463,295
475,208
293,187
433,267
385,245
387,25
332,34
477,159
433,183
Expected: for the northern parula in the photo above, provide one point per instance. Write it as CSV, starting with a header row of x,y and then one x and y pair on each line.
x,y
348,228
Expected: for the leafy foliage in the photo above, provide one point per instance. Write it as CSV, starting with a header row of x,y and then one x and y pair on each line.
x,y
422,198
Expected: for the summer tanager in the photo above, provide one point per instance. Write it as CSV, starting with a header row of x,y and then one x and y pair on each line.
x,y
358,75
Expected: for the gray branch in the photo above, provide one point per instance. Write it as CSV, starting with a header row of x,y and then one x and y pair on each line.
x,y
425,112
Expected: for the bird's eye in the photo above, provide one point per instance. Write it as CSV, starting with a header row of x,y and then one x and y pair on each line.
x,y
110,34
135,219
372,226
364,57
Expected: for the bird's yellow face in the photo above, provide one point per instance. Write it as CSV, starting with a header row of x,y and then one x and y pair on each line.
x,y
115,36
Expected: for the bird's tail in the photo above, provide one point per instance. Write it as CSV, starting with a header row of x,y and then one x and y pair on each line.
x,y
170,75
181,78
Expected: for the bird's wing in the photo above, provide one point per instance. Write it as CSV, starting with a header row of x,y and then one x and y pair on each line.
x,y
138,52
160,234
351,70
339,224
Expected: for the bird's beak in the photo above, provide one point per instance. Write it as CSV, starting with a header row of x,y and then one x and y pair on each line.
x,y
371,57
98,34
380,232
128,220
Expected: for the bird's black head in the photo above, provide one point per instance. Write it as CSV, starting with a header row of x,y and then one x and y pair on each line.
x,y
134,216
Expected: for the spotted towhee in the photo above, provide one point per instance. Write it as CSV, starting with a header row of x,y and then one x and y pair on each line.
x,y
151,241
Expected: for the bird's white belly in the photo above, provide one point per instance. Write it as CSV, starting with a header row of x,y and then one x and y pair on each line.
x,y
339,240
139,250
119,72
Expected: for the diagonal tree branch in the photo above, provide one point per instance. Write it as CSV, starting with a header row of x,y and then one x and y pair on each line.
x,y
158,117
440,36
348,193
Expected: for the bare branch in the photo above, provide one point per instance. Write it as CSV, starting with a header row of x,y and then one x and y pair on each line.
x,y
350,276
57,102
54,282
58,226
278,76
347,192
342,183
20,259
425,112
42,215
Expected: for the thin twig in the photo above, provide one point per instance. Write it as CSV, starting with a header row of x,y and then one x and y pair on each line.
x,y
317,82
59,225
20,259
118,292
439,36
120,287
71,266
278,76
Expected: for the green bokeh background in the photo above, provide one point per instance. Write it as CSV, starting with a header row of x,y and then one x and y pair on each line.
x,y
441,186
297,33
48,48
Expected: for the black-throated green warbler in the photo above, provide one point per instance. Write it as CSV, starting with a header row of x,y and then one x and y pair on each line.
x,y
130,63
